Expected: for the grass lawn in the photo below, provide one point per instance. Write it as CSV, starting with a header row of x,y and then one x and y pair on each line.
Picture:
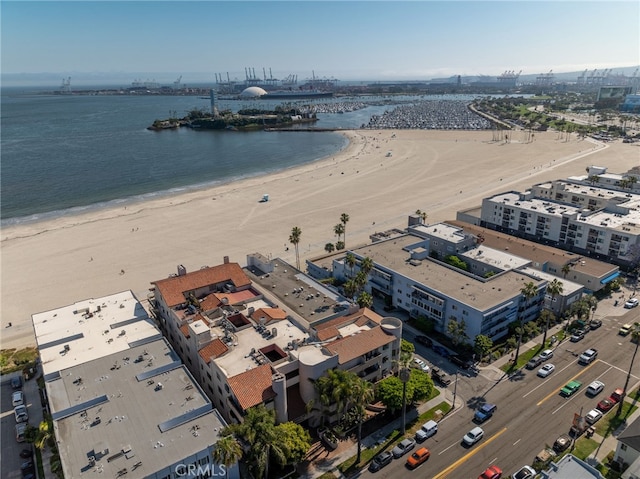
x,y
12,360
610,422
584,446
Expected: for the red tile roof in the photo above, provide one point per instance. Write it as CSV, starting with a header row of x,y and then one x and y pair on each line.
x,y
185,330
270,314
359,344
253,387
214,349
329,329
173,289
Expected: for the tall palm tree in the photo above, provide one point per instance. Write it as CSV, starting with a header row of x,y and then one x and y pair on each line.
x,y
529,291
362,395
294,239
366,265
423,215
566,269
227,451
635,335
334,389
339,231
351,261
344,219
554,289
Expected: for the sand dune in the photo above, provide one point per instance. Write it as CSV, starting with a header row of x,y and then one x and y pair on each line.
x,y
55,263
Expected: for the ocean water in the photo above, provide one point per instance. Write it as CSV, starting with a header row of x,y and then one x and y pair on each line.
x,y
70,153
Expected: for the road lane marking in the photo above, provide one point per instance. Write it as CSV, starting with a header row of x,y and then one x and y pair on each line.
x,y
584,370
517,442
548,378
470,454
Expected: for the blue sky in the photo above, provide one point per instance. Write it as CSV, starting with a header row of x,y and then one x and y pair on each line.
x,y
359,40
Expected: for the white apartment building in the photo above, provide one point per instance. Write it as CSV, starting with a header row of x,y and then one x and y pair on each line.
x,y
596,218
121,400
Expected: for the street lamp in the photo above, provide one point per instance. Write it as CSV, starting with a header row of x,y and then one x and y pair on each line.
x,y
455,389
404,375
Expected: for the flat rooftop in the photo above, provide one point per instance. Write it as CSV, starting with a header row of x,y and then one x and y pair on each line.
x,y
138,410
495,257
91,329
539,254
298,294
478,294
443,231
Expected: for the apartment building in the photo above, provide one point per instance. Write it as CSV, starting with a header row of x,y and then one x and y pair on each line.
x,y
264,334
121,400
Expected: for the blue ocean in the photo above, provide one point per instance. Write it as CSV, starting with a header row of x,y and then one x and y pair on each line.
x,y
69,153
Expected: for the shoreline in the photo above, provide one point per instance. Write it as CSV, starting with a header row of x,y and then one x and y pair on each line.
x,y
59,261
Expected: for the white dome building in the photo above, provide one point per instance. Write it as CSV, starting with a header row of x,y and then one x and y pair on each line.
x,y
253,92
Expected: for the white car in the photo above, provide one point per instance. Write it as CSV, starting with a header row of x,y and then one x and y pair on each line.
x,y
632,303
593,416
546,354
473,436
595,388
545,370
17,398
527,472
21,414
422,365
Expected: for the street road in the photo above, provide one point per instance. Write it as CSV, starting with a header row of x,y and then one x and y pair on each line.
x,y
531,414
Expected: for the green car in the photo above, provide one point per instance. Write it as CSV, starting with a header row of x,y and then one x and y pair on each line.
x,y
570,388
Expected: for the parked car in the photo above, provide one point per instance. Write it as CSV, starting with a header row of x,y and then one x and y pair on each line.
x,y
562,443
403,447
16,382
526,472
418,457
20,413
588,356
17,398
593,416
427,430
491,472
26,453
440,376
441,350
612,400
595,323
461,363
473,436
380,460
21,428
570,388
485,412
534,362
632,303
546,354
625,329
424,340
578,335
594,388
422,364
545,370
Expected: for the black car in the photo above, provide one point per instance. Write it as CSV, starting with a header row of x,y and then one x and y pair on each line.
x,y
424,340
26,453
562,443
16,382
380,461
441,350
461,363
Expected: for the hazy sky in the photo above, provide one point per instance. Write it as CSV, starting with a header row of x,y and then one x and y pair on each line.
x,y
358,40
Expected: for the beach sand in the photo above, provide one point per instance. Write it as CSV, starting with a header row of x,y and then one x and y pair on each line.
x,y
55,263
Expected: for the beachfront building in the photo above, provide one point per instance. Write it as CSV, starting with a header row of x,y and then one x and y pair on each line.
x,y
264,334
590,273
595,215
410,273
121,400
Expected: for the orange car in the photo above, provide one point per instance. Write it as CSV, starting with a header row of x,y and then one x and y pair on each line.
x,y
418,457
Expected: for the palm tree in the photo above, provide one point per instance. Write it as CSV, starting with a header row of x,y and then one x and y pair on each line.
x,y
366,265
227,451
362,395
529,291
294,239
423,215
339,231
566,269
635,335
554,289
351,261
334,390
329,247
344,219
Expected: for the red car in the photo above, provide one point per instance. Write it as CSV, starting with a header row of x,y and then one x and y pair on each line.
x,y
492,472
611,401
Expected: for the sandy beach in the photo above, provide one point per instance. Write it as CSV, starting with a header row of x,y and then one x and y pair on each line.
x,y
55,263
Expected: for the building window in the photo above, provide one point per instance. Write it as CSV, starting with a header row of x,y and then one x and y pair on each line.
x,y
209,375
